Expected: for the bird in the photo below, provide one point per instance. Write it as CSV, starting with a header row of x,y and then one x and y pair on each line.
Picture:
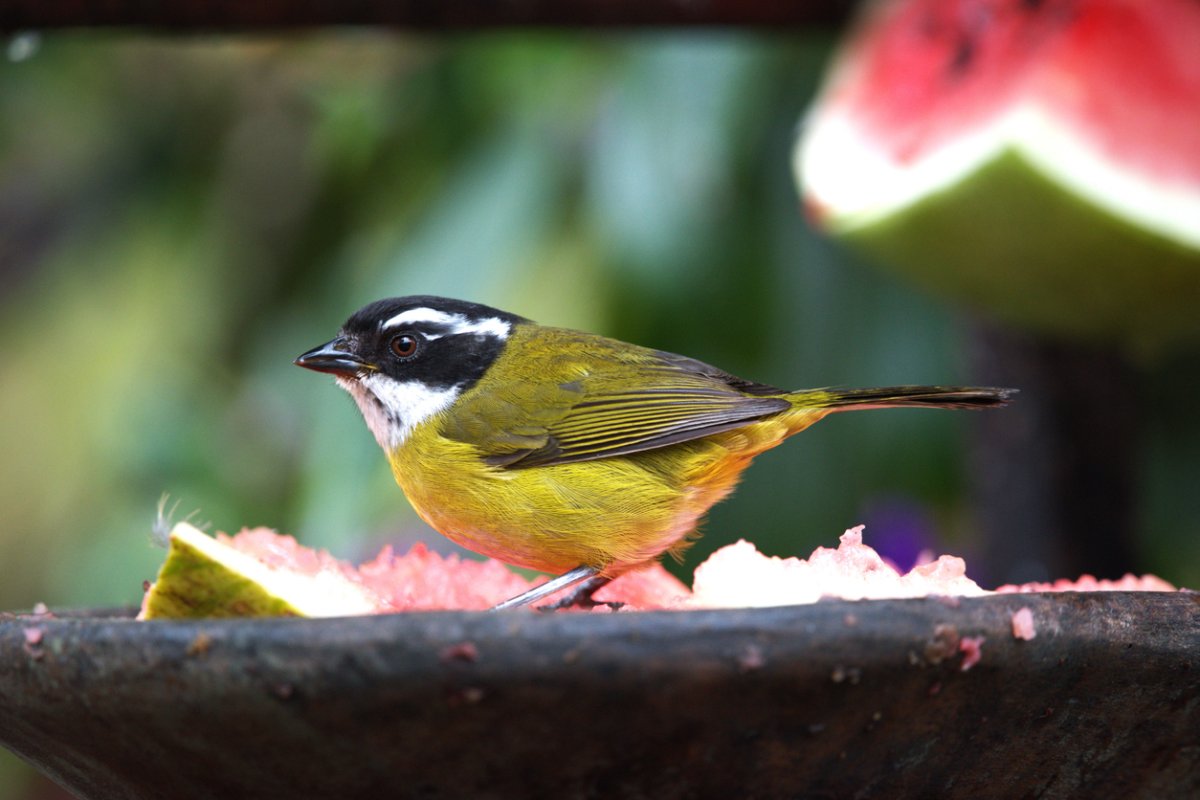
x,y
563,451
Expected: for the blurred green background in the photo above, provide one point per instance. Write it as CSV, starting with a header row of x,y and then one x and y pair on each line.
x,y
179,218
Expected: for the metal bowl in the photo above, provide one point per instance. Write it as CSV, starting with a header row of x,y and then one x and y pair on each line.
x,y
837,699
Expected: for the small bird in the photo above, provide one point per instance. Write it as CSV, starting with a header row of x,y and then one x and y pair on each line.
x,y
563,451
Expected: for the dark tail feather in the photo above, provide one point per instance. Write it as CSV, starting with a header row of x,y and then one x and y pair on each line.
x,y
973,397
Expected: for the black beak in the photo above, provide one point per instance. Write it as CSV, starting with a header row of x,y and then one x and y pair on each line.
x,y
333,357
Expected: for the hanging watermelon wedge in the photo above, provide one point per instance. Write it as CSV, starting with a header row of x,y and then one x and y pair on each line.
x,y
1038,159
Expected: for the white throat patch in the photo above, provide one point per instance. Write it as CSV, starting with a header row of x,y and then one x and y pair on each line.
x,y
393,409
457,323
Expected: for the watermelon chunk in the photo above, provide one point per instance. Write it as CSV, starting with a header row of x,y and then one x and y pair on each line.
x,y
260,572
1039,159
739,576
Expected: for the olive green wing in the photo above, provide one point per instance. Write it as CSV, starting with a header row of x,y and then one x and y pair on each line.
x,y
631,422
615,400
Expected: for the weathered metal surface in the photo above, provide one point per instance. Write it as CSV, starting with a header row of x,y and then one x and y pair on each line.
x,y
833,700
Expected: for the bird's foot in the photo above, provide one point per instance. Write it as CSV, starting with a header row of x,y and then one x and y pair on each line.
x,y
581,597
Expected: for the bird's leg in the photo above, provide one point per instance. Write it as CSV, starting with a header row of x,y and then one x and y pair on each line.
x,y
588,580
564,581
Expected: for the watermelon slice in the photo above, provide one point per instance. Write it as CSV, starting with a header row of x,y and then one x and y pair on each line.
x,y
1039,159
261,573
207,577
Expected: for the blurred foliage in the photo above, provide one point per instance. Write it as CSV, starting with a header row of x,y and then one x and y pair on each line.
x,y
182,217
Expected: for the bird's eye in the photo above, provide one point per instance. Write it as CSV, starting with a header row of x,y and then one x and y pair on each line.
x,y
404,345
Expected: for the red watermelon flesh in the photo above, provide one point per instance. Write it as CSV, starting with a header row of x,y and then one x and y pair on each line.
x,y
1123,74
423,580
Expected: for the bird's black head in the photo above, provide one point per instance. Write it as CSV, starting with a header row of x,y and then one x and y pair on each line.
x,y
406,358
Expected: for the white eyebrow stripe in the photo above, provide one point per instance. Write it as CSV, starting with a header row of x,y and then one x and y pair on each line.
x,y
423,315
457,323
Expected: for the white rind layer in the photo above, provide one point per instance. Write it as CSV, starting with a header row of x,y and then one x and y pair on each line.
x,y
856,183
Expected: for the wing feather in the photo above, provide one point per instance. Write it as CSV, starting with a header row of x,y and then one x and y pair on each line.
x,y
589,397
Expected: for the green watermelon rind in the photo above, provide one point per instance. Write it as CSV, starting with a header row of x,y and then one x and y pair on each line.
x,y
1015,243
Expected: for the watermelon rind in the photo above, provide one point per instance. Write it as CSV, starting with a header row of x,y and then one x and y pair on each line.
x,y
1008,237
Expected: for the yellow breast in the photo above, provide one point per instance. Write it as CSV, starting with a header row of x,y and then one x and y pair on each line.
x,y
612,513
